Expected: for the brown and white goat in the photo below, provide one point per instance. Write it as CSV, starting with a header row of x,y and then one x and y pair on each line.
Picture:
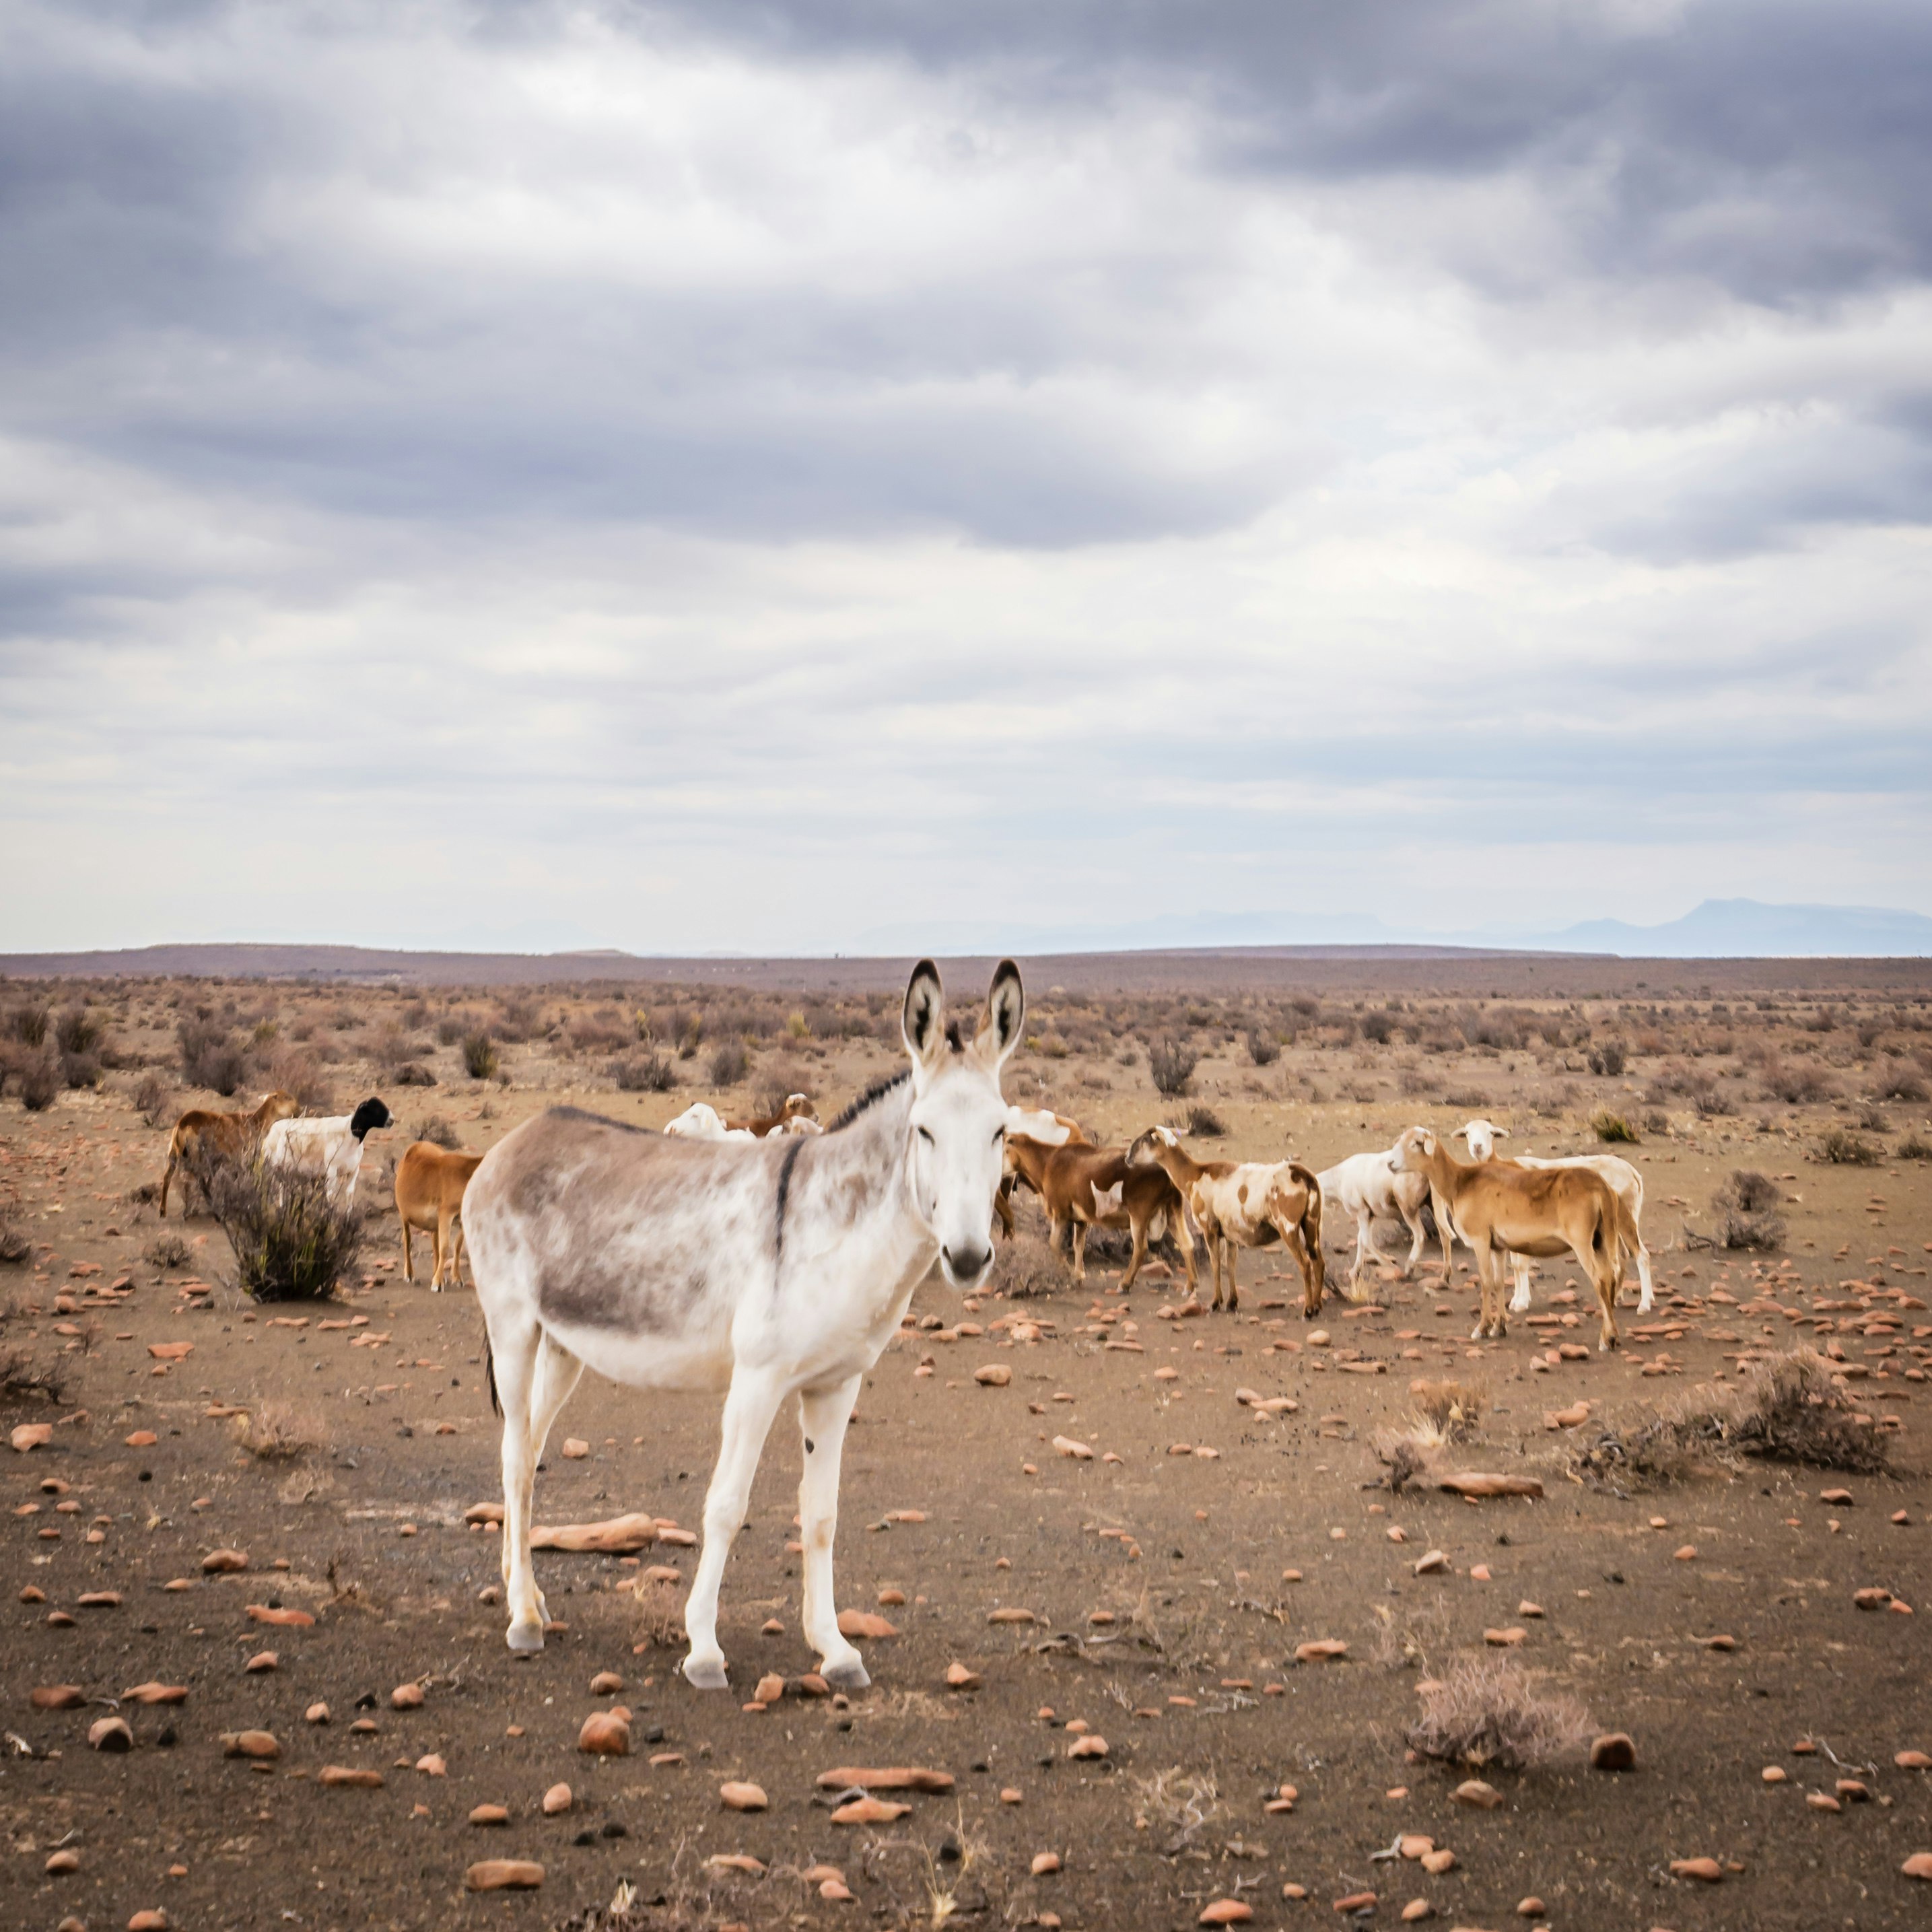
x,y
430,1185
1043,1128
1249,1204
203,1133
1095,1187
797,1107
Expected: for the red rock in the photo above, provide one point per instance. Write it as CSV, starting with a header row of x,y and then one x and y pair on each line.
x,y
285,1619
1773,1774
1919,1865
1441,1860
1531,1907
604,1734
771,1688
886,1777
489,1814
351,1776
263,1659
994,1375
1838,1498
1417,1909
740,1861
504,1875
59,1863
1479,1572
57,1697
1613,1751
1432,1564
1323,1650
1505,1638
1480,1482
1688,1554
1010,1615
1706,1871
1092,1745
153,1919
1356,1901
1067,1446
1873,1597
141,1438
316,1713
605,1684
1227,1911
1822,1801
557,1799
431,1765
31,1435
575,1449
220,1562
740,1796
407,1697
32,1593
1853,1790
155,1694
865,1623
1912,1760
836,1890
1474,1792
869,1811
259,1744
110,1734
1044,1862
1415,1844
958,1678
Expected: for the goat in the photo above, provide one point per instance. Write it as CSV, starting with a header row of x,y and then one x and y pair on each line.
x,y
1094,1187
797,1107
699,1122
203,1133
430,1184
1044,1128
1245,1204
1499,1208
331,1147
1367,1187
1627,1184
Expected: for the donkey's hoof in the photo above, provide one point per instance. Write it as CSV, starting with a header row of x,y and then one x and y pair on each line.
x,y
847,1676
705,1673
525,1638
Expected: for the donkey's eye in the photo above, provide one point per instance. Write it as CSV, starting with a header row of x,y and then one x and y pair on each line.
x,y
999,1135
927,1138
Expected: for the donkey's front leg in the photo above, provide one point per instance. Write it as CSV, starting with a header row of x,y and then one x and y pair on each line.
x,y
822,1414
749,1409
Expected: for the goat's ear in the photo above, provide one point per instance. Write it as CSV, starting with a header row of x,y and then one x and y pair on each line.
x,y
1425,1140
1460,1134
923,1022
1006,1012
1501,1133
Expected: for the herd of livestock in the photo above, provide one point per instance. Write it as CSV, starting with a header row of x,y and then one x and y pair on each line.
x,y
775,1258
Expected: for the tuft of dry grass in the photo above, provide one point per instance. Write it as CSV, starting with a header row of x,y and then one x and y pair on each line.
x,y
276,1432
660,1621
1456,1409
1612,1128
1746,1207
166,1251
1183,1803
1027,1266
22,1375
1486,1711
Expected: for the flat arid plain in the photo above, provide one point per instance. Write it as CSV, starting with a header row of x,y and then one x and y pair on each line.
x,y
1173,1601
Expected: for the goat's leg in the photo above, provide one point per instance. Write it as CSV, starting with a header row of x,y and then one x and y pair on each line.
x,y
749,1408
409,1258
1604,1264
445,1248
1139,1255
822,1414
1364,1241
1079,1249
1643,1275
1520,1301
456,1255
1003,1206
1417,1239
1234,1283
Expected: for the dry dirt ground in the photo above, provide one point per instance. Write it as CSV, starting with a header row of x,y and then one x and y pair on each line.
x,y
1168,1592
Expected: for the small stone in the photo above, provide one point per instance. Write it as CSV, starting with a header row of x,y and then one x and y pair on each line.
x,y
865,1623
1417,1909
431,1765
1227,1911
1505,1638
994,1375
1919,1865
489,1814
1687,1554
556,1800
350,1777
153,1919
958,1678
110,1734
1822,1801
407,1697
871,1810
606,1684
261,1745
504,1875
1706,1871
263,1659
1323,1650
771,1688
141,1438
575,1449
60,1862
1613,1751
1044,1862
223,1562
316,1714
740,1796
1479,1572
1531,1907
604,1734
1871,1598
57,1697
1415,1844
1357,1901
32,1435
1912,1760
1773,1774
1527,1609
1474,1792
1092,1745
1011,1795
1432,1564
1435,1863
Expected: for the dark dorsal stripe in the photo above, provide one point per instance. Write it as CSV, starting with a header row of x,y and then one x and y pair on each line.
x,y
785,1166
596,1119
877,1091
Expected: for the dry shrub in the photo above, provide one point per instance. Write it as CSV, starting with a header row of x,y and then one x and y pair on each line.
x,y
1455,1409
153,1101
1612,1128
166,1251
414,1073
1486,1711
1027,1266
480,1060
660,1613
1745,1206
1609,1061
1183,1803
274,1432
1170,1063
780,1083
439,1132
1844,1149
1263,1048
209,1057
1206,1122
730,1063
1789,1410
23,1377
1912,1147
1409,1453
295,1070
1797,1086
647,1072
39,1075
292,1243
28,1024
1900,1081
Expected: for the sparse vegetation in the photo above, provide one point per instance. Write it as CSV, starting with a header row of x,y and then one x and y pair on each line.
x,y
1026,1266
480,1060
1206,1122
1171,1062
1842,1148
1914,1147
291,1242
1486,1712
1263,1048
153,1101
1609,1061
439,1132
730,1063
166,1251
275,1432
1746,1206
209,1057
1612,1128
645,1072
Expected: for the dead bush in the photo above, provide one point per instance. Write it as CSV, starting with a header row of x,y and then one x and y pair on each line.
x,y
153,1101
1797,1086
1027,1266
292,1243
40,1078
1206,1122
1612,1128
780,1083
28,1024
1912,1147
1609,1061
1455,1409
414,1073
210,1057
1486,1711
275,1432
298,1070
14,1246
1263,1049
1789,1410
1171,1062
1842,1148
1746,1206
730,1064
439,1132
1900,1081
660,1621
644,1073
166,1251
23,1378
480,1060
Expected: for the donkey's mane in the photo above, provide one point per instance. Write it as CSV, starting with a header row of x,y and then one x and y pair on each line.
x,y
601,1119
877,1091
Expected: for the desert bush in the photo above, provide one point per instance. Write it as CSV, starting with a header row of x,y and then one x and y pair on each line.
x,y
28,1024
1377,1027
1454,1410
480,1060
1746,1206
274,1432
517,1020
414,1073
22,1375
1708,1098
40,1078
296,1070
209,1056
77,1030
79,1069
1027,1266
1486,1711
1788,1410
166,1251
659,1621
292,1243
1873,1119
1418,1082
1205,1122
153,1101
1900,1081
1612,1128
1172,1062
439,1132
780,1083
1749,1191
1912,1147
1842,1148
730,1063
1263,1048
1657,1122
1608,1060
599,1032
449,1029
644,1073
1797,1086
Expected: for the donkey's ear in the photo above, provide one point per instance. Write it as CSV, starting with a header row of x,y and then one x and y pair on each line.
x,y
923,1021
1006,1012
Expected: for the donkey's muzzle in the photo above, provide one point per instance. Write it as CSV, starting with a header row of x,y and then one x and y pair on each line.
x,y
966,1265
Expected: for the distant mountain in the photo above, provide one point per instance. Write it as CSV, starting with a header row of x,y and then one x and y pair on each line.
x,y
1749,929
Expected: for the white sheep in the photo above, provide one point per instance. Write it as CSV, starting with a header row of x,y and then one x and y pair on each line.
x,y
330,1147
1367,1187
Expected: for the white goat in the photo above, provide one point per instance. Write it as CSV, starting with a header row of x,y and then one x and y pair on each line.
x,y
1367,1187
699,1122
330,1147
1625,1180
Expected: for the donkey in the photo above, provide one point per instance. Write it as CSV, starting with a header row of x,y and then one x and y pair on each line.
x,y
768,1269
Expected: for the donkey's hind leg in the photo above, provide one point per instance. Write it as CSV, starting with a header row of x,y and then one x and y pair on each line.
x,y
822,1414
749,1409
534,1379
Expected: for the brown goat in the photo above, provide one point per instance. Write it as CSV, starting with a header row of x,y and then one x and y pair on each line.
x,y
797,1107
201,1133
1094,1187
430,1185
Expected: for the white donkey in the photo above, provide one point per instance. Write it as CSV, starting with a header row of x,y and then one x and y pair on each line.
x,y
776,1269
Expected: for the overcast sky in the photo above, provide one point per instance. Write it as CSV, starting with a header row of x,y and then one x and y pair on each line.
x,y
716,476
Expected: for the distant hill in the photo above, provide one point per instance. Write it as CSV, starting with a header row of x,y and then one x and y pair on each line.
x,y
1749,929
